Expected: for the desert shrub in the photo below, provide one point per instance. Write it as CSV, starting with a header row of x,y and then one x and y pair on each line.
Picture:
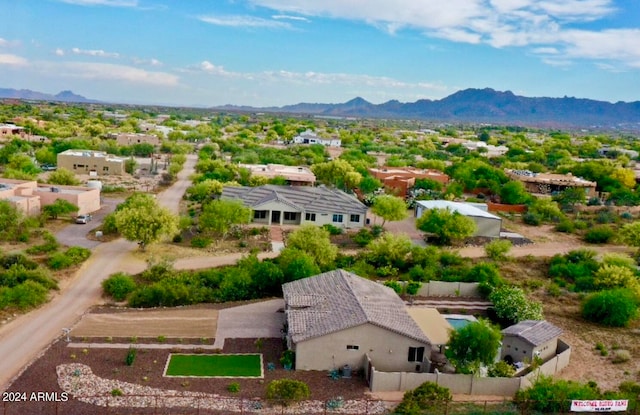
x,y
200,241
26,295
602,349
9,260
594,201
581,224
549,396
621,356
484,272
287,390
614,308
363,237
498,249
116,392
565,226
131,356
511,303
233,387
377,230
333,230
600,234
50,244
630,389
395,286
72,256
531,219
605,216
119,286
501,369
626,216
427,396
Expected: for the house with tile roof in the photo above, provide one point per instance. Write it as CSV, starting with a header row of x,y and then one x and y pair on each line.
x,y
295,205
335,318
529,338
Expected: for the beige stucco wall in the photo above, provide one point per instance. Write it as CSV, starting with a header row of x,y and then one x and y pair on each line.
x,y
91,163
131,139
525,350
87,199
321,218
449,289
388,350
327,218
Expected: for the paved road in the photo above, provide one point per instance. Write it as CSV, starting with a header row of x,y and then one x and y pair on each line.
x,y
28,335
76,234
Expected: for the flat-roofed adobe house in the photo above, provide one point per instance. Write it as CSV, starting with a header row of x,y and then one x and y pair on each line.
x,y
7,130
529,338
295,205
487,224
129,139
91,162
400,179
29,196
294,175
550,183
335,318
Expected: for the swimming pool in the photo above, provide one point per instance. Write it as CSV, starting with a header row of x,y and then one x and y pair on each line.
x,y
458,323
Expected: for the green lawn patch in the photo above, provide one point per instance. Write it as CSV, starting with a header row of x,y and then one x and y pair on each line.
x,y
215,365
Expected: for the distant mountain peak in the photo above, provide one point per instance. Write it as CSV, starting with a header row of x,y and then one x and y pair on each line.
x,y
63,96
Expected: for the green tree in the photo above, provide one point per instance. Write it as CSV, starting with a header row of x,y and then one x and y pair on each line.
x,y
389,208
447,225
511,303
570,197
207,189
389,250
338,173
629,234
287,390
616,276
130,165
474,345
10,220
59,207
143,220
296,264
316,242
119,286
369,184
220,215
514,193
63,177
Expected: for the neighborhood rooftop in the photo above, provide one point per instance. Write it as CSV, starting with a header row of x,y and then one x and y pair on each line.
x,y
536,332
463,208
311,199
338,300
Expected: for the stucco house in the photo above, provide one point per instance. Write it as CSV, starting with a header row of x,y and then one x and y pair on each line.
x,y
400,179
551,183
29,196
335,318
294,175
309,137
91,162
295,205
129,139
487,224
529,338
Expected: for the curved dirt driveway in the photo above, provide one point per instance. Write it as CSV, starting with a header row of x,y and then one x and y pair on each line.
x,y
24,338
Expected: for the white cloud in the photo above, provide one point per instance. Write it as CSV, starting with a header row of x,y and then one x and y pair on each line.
x,y
59,52
149,62
243,21
12,60
542,24
110,3
95,52
106,71
3,42
289,17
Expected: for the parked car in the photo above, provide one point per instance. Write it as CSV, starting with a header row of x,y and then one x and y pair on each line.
x,y
48,167
83,219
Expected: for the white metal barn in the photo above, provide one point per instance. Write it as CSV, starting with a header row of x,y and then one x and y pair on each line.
x,y
487,225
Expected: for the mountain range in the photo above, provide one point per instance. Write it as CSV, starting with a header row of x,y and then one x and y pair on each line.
x,y
483,106
63,96
470,105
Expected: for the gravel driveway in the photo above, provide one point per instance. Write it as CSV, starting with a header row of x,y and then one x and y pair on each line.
x,y
258,320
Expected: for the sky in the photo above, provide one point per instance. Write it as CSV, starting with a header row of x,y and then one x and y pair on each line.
x,y
279,52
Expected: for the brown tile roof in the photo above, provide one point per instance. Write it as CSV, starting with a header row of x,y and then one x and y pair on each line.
x,y
535,332
338,300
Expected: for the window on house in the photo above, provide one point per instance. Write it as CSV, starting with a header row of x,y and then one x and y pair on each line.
x,y
352,347
310,217
259,214
105,168
337,219
289,215
416,354
354,218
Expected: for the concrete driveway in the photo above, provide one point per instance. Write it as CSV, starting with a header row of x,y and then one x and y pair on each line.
x,y
76,234
258,320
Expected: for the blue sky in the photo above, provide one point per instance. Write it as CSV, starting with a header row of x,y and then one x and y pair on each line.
x,y
279,52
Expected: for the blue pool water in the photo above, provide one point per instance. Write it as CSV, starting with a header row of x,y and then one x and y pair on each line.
x,y
458,323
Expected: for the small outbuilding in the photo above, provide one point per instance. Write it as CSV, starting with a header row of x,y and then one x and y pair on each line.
x,y
487,224
529,338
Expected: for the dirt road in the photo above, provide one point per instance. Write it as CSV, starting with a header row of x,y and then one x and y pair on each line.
x,y
28,335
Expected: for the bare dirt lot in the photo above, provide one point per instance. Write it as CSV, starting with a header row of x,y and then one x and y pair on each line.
x,y
176,323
